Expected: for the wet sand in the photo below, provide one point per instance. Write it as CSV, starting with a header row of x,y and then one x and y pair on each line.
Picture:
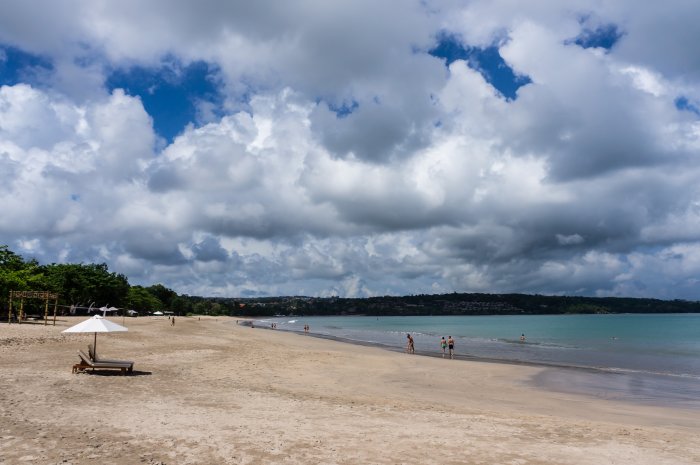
x,y
209,391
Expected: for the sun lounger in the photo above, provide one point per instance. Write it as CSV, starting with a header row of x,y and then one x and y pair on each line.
x,y
86,362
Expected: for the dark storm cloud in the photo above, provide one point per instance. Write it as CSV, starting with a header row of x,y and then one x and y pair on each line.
x,y
157,250
209,250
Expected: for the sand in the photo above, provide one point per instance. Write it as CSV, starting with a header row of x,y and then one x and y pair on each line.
x,y
211,392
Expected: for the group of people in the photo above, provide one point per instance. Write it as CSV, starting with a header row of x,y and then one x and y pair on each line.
x,y
306,328
447,346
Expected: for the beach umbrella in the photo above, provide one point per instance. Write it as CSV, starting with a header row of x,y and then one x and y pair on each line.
x,y
96,324
106,310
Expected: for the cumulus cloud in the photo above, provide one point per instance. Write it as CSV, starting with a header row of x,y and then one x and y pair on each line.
x,y
344,159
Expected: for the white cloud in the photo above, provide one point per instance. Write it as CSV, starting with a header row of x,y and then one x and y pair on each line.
x,y
586,183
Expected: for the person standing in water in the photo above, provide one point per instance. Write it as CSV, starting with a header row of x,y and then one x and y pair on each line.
x,y
410,347
522,337
443,345
451,346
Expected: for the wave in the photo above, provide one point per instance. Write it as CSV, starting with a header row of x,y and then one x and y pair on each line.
x,y
648,372
539,344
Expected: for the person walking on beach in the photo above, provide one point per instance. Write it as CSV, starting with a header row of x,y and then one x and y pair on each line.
x,y
172,321
443,345
451,346
410,347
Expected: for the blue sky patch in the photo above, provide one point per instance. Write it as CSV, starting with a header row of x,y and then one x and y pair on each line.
x,y
682,103
170,93
343,110
605,37
486,60
17,66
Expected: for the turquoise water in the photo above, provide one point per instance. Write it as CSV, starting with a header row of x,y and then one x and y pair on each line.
x,y
659,351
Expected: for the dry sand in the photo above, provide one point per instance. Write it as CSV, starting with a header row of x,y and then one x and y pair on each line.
x,y
211,392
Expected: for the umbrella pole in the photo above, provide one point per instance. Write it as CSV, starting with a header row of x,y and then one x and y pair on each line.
x,y
94,348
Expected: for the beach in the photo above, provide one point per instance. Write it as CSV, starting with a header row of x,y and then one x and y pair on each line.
x,y
207,391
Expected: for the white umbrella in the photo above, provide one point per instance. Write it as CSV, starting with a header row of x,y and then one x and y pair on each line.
x,y
105,310
96,324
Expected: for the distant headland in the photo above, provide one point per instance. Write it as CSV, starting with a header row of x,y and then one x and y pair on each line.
x,y
455,304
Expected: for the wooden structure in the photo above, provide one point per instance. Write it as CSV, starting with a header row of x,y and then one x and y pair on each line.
x,y
87,362
21,295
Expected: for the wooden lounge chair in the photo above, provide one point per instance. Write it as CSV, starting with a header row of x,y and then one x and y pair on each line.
x,y
86,362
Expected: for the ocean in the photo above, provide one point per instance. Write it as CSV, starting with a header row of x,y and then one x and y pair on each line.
x,y
645,358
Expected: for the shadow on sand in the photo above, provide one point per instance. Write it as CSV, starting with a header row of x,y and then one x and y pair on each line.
x,y
99,372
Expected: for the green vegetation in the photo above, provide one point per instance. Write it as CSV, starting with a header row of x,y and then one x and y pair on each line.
x,y
81,284
463,304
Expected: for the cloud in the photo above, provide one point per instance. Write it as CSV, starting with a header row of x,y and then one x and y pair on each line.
x,y
343,159
209,249
571,239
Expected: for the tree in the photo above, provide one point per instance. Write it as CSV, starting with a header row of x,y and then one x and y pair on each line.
x,y
163,294
17,275
10,260
181,305
200,308
215,309
87,283
141,300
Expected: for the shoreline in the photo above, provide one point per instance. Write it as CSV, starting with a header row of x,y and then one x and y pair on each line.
x,y
634,388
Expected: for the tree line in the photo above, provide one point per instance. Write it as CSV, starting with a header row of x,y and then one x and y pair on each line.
x,y
82,284
462,304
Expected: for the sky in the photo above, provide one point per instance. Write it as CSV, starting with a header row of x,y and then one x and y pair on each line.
x,y
356,148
